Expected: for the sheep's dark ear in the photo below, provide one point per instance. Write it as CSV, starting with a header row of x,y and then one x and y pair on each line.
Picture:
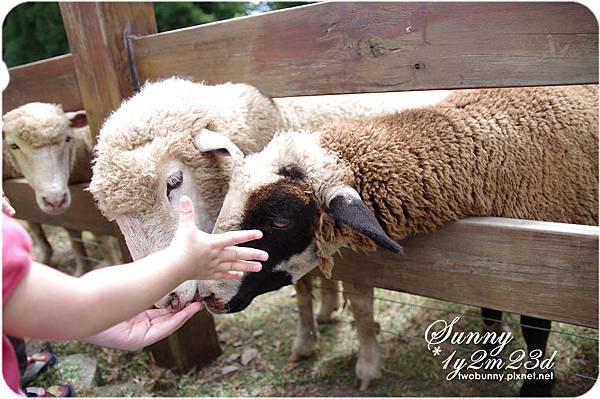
x,y
77,119
208,141
347,207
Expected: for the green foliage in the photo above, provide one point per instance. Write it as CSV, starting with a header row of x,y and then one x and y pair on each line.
x,y
33,31
175,15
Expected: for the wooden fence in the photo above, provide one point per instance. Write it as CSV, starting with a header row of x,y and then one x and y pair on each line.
x,y
541,269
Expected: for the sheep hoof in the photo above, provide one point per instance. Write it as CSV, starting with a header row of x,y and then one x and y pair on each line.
x,y
295,357
363,385
304,345
325,318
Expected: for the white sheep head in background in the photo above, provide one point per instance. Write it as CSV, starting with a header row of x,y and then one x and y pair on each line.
x,y
39,143
286,191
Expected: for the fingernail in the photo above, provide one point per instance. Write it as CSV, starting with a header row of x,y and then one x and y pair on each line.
x,y
258,234
263,256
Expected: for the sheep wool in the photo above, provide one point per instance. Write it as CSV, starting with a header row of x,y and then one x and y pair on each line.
x,y
159,123
40,125
161,120
528,153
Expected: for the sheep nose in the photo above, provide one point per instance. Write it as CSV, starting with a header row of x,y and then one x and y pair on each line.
x,y
174,301
55,202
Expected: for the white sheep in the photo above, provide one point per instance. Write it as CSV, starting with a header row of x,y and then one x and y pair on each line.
x,y
146,159
51,149
527,153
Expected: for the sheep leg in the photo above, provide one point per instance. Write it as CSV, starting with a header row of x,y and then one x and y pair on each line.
x,y
40,238
107,249
368,366
536,339
306,333
329,300
491,323
83,264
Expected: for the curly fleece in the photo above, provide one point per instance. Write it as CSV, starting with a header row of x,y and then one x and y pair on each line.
x,y
160,121
528,153
40,125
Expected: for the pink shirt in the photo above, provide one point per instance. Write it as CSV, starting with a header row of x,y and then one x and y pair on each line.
x,y
16,259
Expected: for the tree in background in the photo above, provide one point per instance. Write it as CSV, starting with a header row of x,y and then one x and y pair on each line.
x,y
175,15
34,31
31,32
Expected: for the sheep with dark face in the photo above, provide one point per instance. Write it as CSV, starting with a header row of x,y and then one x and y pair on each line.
x,y
529,153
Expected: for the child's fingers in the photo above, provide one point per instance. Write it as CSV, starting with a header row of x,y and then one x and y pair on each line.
x,y
244,253
186,211
240,266
186,312
6,207
154,313
232,238
230,276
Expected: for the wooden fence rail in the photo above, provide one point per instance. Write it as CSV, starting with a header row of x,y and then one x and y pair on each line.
x,y
542,269
357,47
332,48
52,80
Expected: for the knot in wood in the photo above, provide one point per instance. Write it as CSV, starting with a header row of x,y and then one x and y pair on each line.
x,y
372,48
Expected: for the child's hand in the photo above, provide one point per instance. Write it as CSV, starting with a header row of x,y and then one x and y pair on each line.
x,y
213,256
6,207
146,328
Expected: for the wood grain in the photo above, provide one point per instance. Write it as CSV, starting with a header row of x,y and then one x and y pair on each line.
x,y
97,34
193,345
52,80
547,270
354,47
81,215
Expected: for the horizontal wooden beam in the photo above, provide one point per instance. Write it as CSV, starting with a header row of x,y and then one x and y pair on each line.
x,y
52,80
547,270
352,47
81,215
541,269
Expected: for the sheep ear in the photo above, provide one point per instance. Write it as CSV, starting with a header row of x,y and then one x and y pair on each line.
x,y
208,141
346,206
78,119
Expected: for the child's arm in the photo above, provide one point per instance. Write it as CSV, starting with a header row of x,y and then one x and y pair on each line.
x,y
51,305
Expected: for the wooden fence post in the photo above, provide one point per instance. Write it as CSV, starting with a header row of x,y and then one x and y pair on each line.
x,y
98,34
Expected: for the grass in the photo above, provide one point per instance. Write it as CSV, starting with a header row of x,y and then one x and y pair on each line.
x,y
410,369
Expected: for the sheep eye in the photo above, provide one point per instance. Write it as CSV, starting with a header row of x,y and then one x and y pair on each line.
x,y
280,222
14,147
174,181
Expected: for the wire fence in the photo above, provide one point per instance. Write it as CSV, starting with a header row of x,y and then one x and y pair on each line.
x,y
458,347
471,316
454,312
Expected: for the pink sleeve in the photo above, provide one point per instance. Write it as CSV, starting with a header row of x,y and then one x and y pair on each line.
x,y
16,255
16,260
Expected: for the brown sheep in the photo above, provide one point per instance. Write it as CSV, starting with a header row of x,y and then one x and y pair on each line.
x,y
529,153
